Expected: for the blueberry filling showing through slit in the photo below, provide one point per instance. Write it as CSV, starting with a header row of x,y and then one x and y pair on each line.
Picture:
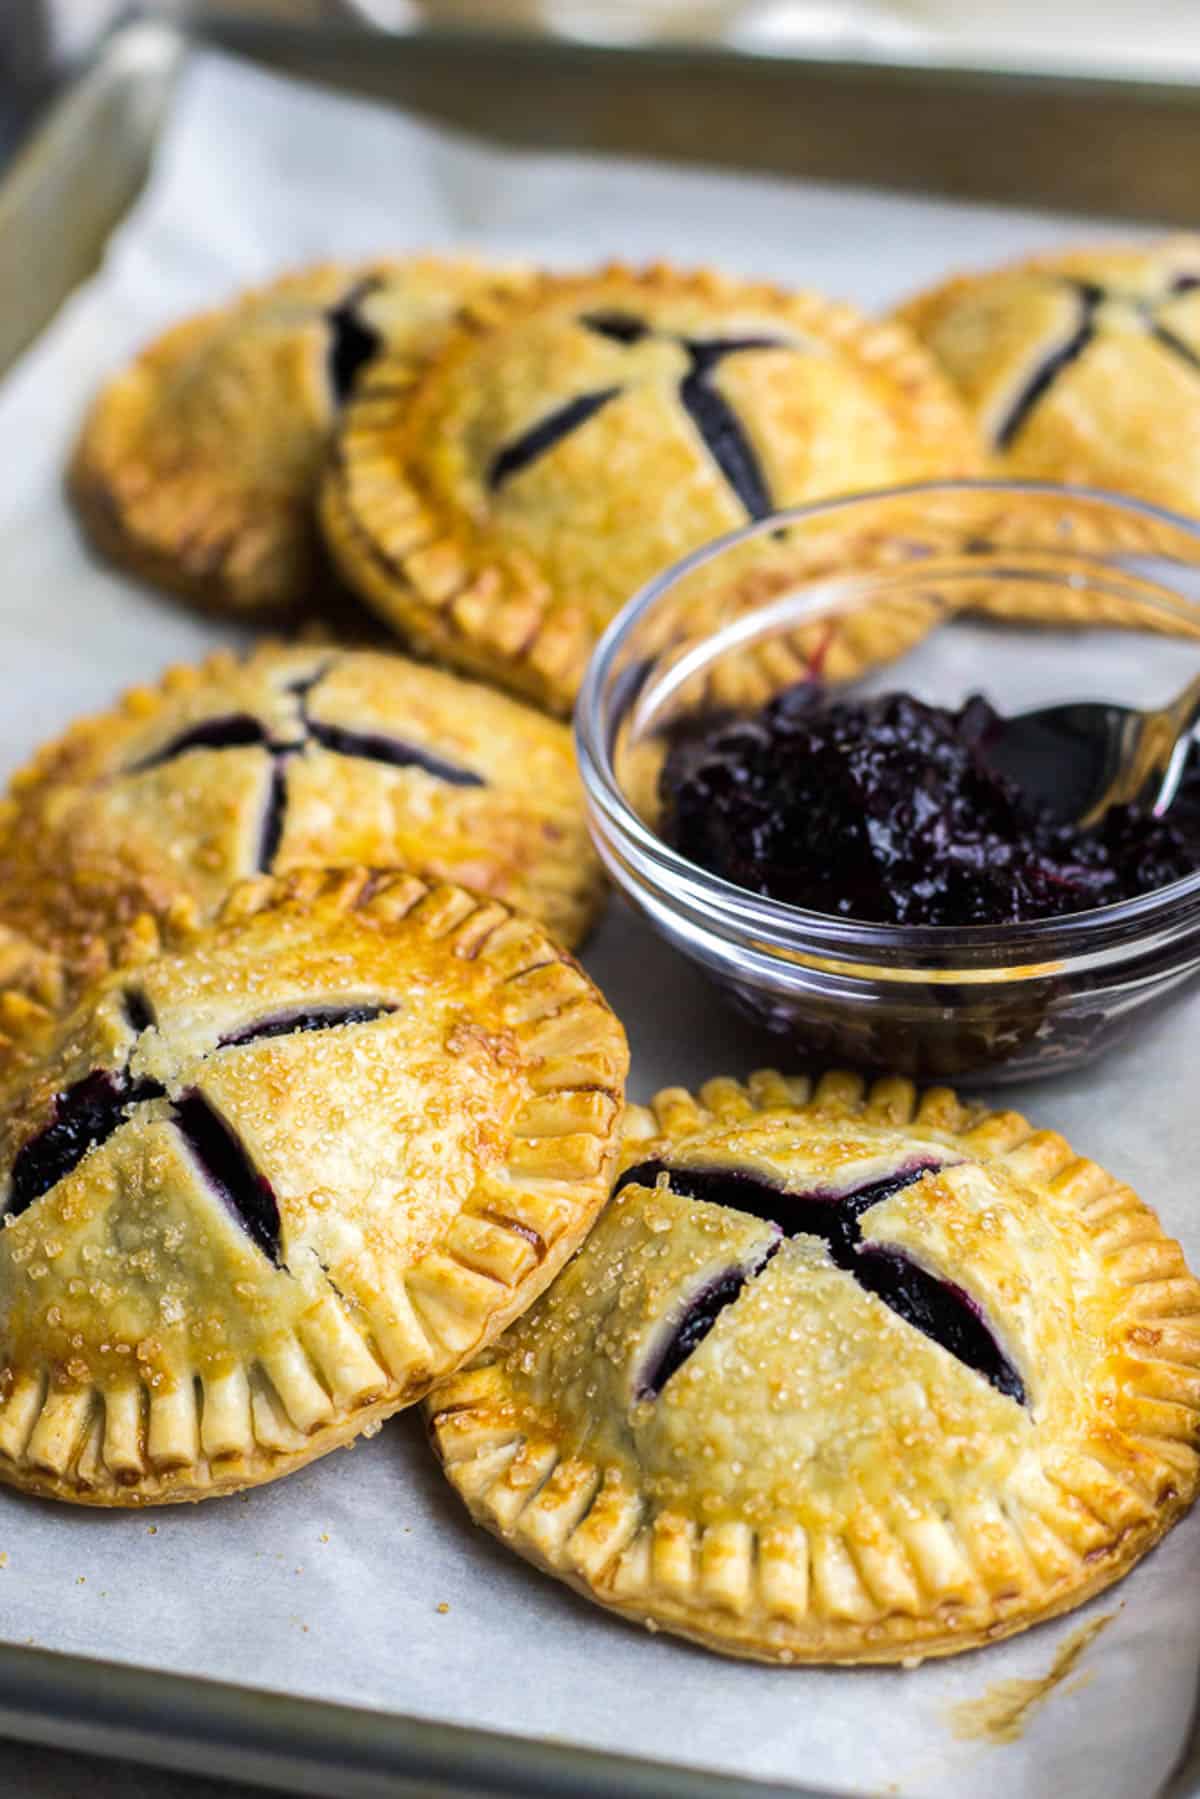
x,y
727,443
230,1172
710,412
85,1116
1091,296
718,423
139,1014
1164,336
93,1109
621,327
352,342
545,434
371,746
287,1024
703,1312
304,686
833,1216
271,834
239,730
940,1310
937,1308
236,731
1053,364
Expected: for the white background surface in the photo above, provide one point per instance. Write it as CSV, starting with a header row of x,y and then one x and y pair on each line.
x,y
328,1583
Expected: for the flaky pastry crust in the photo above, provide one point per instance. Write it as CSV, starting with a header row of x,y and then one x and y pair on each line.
x,y
264,1186
842,1374
197,465
500,500
294,756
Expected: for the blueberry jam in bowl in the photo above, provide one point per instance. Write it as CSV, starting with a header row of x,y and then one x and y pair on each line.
x,y
784,742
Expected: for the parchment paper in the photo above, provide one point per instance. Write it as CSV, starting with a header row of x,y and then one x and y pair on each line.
x,y
330,1583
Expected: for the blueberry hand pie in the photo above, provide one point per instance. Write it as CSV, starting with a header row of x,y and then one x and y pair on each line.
x,y
498,501
841,1375
294,756
261,1188
198,464
1081,367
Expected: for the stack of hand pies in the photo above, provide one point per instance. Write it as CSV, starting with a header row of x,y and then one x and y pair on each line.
x,y
306,1111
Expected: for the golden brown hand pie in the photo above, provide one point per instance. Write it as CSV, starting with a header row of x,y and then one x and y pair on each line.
x,y
841,1375
262,1188
197,466
294,756
1083,366
500,500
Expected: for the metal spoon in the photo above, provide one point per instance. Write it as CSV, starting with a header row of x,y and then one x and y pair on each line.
x,y
1081,759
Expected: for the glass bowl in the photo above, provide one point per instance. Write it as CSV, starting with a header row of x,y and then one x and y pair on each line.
x,y
1027,592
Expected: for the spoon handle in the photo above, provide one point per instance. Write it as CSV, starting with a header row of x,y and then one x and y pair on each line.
x,y
1152,755
1181,715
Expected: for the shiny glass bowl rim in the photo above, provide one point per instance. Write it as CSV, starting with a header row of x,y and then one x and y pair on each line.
x,y
776,925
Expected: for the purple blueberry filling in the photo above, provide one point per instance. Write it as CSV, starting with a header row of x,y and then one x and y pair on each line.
x,y
284,1024
236,731
239,730
937,1308
352,342
92,1110
940,1310
304,686
621,327
889,810
85,1115
1053,364
371,746
1162,334
703,1312
833,1216
230,1172
545,434
274,813
139,1014
718,423
1091,297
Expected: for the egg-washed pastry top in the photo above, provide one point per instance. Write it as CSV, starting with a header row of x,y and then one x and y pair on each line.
x,y
261,1189
841,1375
1082,366
501,499
293,756
197,464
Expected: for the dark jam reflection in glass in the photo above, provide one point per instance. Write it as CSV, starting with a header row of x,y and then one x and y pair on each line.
x,y
886,810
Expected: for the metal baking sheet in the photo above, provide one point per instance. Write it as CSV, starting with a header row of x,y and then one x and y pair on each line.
x,y
69,189
1022,135
1036,139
